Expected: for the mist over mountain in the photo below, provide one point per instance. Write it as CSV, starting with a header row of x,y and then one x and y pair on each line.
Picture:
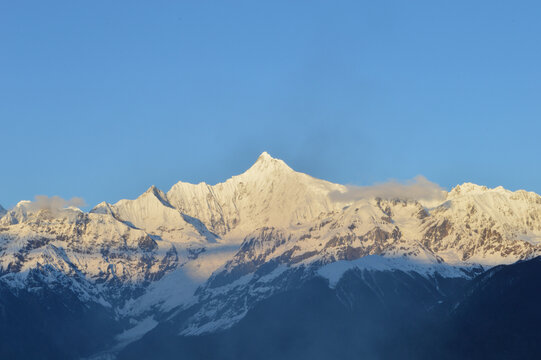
x,y
273,263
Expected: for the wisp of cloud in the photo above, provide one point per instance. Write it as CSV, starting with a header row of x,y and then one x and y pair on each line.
x,y
54,203
418,188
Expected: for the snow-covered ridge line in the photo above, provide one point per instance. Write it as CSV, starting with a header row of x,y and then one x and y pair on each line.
x,y
248,236
334,271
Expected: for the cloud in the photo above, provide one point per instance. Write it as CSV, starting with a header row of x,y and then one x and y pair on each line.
x,y
418,188
54,203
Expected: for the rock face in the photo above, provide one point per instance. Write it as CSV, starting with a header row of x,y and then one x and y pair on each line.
x,y
210,253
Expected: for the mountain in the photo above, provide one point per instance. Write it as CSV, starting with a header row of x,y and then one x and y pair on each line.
x,y
270,193
200,260
497,316
376,315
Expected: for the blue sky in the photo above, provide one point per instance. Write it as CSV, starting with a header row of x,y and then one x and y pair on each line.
x,y
101,99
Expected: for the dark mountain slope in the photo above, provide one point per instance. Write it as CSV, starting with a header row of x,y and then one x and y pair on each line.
x,y
498,317
50,323
368,315
377,315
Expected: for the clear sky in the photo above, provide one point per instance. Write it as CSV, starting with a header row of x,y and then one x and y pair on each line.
x,y
101,99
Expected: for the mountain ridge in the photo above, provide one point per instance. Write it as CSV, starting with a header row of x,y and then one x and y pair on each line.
x,y
218,250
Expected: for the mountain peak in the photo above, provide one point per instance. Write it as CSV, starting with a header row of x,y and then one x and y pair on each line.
x,y
467,188
265,156
265,163
156,193
23,204
474,189
102,208
153,189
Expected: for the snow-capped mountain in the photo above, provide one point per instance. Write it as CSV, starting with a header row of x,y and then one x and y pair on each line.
x,y
203,255
270,193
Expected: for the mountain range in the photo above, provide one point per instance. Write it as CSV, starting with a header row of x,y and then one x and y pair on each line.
x,y
270,264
